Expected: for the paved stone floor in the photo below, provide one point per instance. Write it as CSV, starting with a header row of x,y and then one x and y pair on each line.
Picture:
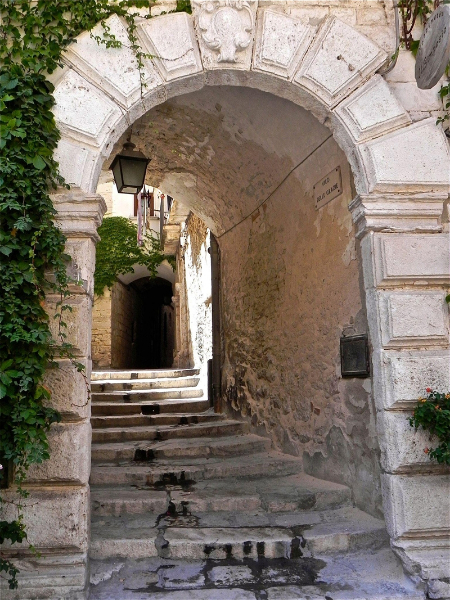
x,y
368,576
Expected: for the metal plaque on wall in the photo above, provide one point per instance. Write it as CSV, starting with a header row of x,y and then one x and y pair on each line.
x,y
328,188
434,48
355,356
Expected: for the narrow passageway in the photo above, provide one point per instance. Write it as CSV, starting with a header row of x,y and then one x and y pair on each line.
x,y
188,504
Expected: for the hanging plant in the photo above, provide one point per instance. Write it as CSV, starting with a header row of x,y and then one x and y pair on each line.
x,y
433,415
117,252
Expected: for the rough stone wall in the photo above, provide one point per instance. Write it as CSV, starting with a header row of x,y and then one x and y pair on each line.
x,y
124,311
291,286
101,331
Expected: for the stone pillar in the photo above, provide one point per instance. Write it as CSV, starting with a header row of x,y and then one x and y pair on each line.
x,y
405,249
56,513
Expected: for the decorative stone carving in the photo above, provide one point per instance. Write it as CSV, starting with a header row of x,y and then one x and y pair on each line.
x,y
84,112
421,172
227,27
114,70
226,30
371,110
411,259
388,212
407,374
76,163
339,60
413,508
403,450
170,39
281,42
413,319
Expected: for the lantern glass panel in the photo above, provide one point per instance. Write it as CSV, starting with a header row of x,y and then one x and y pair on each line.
x,y
133,172
117,173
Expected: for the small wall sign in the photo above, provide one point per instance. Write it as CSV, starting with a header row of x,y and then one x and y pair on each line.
x,y
434,48
355,356
328,188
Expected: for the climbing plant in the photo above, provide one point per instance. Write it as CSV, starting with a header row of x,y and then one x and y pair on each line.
x,y
33,36
433,415
117,252
412,11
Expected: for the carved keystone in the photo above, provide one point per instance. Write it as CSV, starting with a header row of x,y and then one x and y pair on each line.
x,y
226,29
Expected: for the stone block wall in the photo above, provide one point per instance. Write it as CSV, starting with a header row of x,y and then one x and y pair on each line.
x,y
101,331
114,320
124,310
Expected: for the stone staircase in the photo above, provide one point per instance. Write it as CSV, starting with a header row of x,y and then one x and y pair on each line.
x,y
188,504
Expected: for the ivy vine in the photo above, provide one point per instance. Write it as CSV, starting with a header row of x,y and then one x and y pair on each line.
x,y
410,12
33,36
117,252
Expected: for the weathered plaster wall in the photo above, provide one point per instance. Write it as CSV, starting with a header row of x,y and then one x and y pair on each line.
x,y
197,276
291,286
192,298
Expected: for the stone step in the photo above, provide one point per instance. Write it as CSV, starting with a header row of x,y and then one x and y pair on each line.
x,y
190,405
164,419
143,374
194,469
223,535
363,575
150,433
148,395
275,494
203,447
126,385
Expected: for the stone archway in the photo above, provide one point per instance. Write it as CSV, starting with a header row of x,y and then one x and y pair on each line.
x,y
401,177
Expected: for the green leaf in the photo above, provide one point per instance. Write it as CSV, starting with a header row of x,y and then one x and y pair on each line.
x,y
38,162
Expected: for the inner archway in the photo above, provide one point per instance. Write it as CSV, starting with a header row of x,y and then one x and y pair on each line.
x,y
291,274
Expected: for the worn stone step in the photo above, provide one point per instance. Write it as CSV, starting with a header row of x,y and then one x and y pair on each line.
x,y
143,374
120,385
181,448
164,419
148,395
364,575
166,432
194,469
294,492
190,405
223,535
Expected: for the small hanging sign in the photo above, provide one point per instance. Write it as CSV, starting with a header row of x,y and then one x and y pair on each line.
x,y
328,188
434,48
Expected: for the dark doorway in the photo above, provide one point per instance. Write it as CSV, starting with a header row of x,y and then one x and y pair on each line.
x,y
150,320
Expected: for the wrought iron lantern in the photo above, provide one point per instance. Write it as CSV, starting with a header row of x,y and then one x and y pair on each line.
x,y
129,169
